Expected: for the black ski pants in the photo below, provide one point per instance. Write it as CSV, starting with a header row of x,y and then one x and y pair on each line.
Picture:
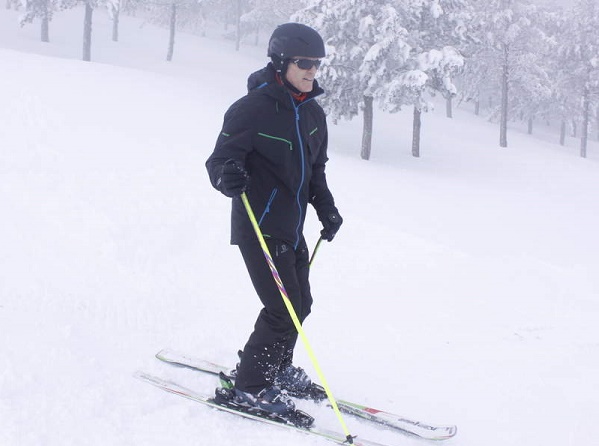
x,y
270,346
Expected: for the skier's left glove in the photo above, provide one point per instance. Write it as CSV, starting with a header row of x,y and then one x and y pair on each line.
x,y
331,222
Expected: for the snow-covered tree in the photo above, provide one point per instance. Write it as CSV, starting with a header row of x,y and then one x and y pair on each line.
x,y
579,51
560,105
230,12
90,5
365,41
268,14
532,83
177,14
435,24
43,10
478,77
432,63
114,12
386,51
531,90
508,38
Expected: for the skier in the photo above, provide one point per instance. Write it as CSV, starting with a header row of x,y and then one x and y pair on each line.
x,y
273,147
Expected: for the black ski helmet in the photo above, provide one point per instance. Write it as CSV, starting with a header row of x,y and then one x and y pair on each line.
x,y
294,40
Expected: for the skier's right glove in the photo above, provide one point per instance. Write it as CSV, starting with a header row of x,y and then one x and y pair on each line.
x,y
331,222
233,179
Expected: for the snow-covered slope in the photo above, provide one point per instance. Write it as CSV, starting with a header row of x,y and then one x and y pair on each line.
x,y
462,287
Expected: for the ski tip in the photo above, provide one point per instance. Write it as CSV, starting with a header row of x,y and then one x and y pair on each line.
x,y
449,432
163,353
453,431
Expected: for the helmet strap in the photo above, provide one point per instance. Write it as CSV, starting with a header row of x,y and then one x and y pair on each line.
x,y
279,64
282,80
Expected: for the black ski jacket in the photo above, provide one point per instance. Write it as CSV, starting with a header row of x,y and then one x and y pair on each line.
x,y
282,143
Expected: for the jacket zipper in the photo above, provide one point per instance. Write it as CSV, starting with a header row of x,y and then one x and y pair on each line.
x,y
267,208
302,158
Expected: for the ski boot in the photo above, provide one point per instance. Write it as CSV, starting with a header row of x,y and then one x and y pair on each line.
x,y
270,403
298,384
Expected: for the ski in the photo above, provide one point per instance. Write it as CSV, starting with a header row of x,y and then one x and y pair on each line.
x,y
177,389
403,424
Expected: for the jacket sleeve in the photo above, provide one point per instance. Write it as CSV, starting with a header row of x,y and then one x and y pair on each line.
x,y
320,195
233,143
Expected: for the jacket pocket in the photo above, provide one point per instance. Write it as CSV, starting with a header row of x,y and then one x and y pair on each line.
x,y
275,148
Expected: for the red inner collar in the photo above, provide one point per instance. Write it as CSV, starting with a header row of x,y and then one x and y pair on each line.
x,y
297,96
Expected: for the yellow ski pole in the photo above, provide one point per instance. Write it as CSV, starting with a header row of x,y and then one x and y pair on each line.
x,y
293,314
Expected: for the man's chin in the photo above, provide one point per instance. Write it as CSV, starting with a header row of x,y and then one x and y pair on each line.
x,y
309,86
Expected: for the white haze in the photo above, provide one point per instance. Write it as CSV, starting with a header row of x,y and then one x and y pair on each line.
x,y
462,287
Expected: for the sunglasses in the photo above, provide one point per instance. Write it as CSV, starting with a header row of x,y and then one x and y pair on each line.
x,y
307,64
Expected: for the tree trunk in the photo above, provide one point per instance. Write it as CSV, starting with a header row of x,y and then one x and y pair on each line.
x,y
115,23
530,122
574,129
171,40
87,33
562,133
449,107
367,131
416,132
45,28
477,107
504,98
584,131
238,26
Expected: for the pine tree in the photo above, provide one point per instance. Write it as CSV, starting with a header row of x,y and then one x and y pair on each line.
x,y
561,105
268,14
507,36
433,61
365,42
580,51
43,10
440,24
386,51
114,12
177,14
230,12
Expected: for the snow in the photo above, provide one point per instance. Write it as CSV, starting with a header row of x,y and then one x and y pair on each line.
x,y
462,287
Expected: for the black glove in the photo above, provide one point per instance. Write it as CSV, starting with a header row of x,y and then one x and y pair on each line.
x,y
233,179
331,222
